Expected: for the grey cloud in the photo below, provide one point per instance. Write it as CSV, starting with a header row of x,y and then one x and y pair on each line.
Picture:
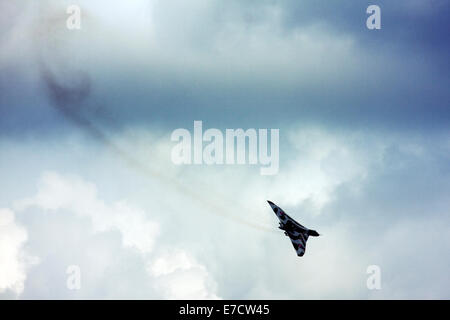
x,y
243,68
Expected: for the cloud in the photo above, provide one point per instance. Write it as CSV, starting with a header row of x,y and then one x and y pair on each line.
x,y
271,63
179,276
368,192
364,145
57,192
14,261
184,278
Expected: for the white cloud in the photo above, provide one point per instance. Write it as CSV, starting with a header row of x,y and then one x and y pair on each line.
x,y
179,276
322,162
57,192
175,274
13,259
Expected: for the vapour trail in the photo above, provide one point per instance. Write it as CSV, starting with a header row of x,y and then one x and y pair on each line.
x,y
68,99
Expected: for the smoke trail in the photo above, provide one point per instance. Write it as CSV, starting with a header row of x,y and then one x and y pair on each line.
x,y
68,97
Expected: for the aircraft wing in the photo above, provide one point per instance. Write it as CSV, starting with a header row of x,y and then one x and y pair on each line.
x,y
298,240
285,219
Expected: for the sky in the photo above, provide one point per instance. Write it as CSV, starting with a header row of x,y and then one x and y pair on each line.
x,y
87,178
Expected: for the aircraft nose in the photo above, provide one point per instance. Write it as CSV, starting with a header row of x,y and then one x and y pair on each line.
x,y
270,202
